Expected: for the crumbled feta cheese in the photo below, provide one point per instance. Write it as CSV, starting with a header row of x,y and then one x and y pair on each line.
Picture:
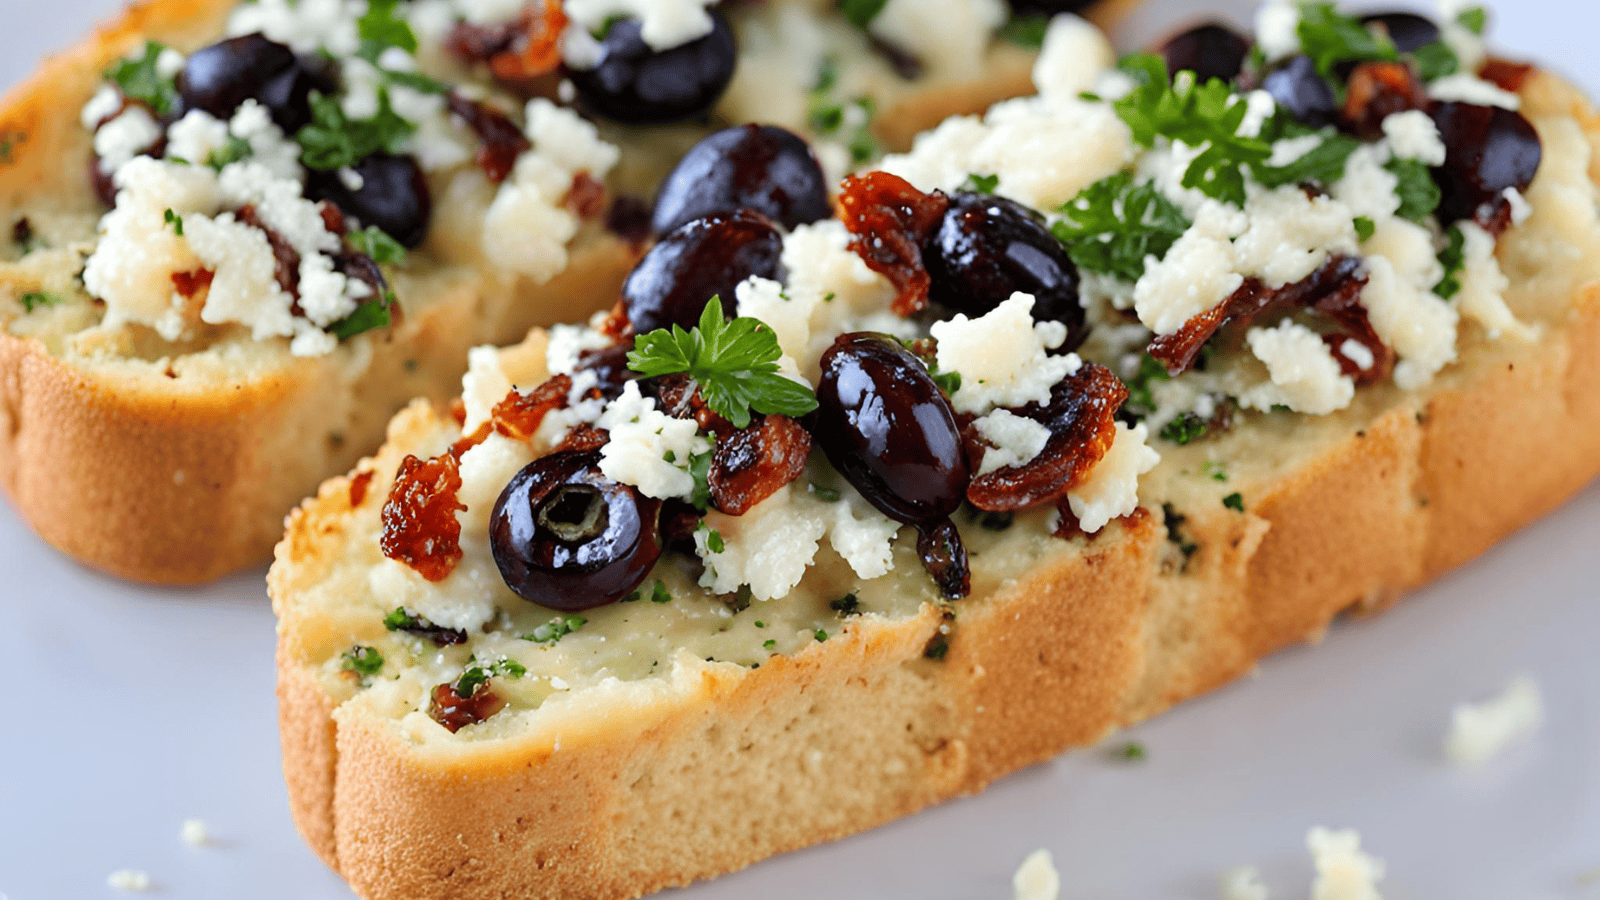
x,y
1358,353
196,136
351,179
195,833
568,140
1466,87
269,148
567,343
768,548
1521,209
789,319
129,880
169,63
245,287
1305,376
1414,321
305,25
1243,883
1413,135
484,385
1292,149
1074,54
1479,731
1483,286
1003,356
102,106
1468,45
1277,29
860,534
1196,274
1367,188
1259,106
1111,489
1343,871
642,438
822,269
486,469
1291,234
1013,440
1036,878
131,133
663,24
463,600
959,36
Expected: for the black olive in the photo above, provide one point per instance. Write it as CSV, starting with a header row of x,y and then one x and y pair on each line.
x,y
1409,31
1211,50
637,85
393,196
610,366
1487,149
703,258
218,78
759,167
889,430
987,248
1298,88
565,536
1049,7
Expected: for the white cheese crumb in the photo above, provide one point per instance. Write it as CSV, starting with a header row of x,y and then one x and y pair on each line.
x,y
1073,55
1358,353
642,438
1468,88
1002,356
128,135
1259,106
1291,234
1196,274
789,318
958,37
103,105
1111,489
1479,731
860,534
1343,871
1036,878
768,548
129,880
1013,440
196,136
1521,209
1277,29
484,385
1417,323
195,833
1243,883
305,25
1305,376
567,343
1483,286
1412,135
663,24
169,63
1367,188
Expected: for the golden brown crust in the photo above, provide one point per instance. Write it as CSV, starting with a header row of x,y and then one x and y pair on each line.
x,y
860,729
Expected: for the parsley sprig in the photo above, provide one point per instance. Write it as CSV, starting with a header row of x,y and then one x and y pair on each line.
x,y
734,362
141,80
478,674
1329,37
333,140
1113,225
1454,260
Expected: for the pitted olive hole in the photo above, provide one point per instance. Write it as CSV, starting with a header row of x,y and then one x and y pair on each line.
x,y
576,513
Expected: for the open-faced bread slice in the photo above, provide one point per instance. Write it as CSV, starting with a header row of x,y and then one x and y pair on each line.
x,y
450,738
161,436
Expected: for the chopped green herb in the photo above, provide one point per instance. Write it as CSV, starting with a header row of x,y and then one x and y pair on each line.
x,y
400,620
1234,501
1133,751
1454,259
175,220
478,674
700,470
1473,18
741,599
714,541
863,146
140,79
1025,31
374,242
362,660
1419,194
32,300
820,635
1435,61
848,605
1365,228
826,118
769,643
827,76
416,81
555,629
1185,428
1329,37
670,456
659,593
236,149
937,647
982,184
760,624
1322,164
1214,470
380,29
1141,398
1173,520
824,493
1113,225
333,140
735,363
368,316
860,13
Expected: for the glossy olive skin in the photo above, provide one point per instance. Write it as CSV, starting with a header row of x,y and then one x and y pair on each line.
x,y
986,248
1299,89
759,167
1211,50
704,258
1407,30
1049,7
1487,149
218,78
636,85
889,430
393,195
566,537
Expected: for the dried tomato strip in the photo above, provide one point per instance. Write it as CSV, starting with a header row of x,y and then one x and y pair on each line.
x,y
1081,417
889,221
500,140
1376,91
420,527
1505,74
753,463
519,415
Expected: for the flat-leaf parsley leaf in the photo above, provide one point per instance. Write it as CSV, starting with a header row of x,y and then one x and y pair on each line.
x,y
140,79
1113,224
333,140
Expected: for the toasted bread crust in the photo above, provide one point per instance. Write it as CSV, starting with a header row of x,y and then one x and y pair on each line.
x,y
853,732
173,480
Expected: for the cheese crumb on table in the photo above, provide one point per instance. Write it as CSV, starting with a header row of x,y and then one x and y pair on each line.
x,y
1344,872
129,880
1036,878
1243,883
195,833
1479,731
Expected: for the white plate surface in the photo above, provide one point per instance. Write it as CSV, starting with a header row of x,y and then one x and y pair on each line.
x,y
128,710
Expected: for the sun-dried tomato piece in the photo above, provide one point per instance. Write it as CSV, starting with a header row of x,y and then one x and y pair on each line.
x,y
1333,290
518,52
420,527
1081,416
678,396
1505,74
889,222
359,483
586,197
190,283
456,712
500,140
1376,91
285,258
583,439
518,415
753,463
